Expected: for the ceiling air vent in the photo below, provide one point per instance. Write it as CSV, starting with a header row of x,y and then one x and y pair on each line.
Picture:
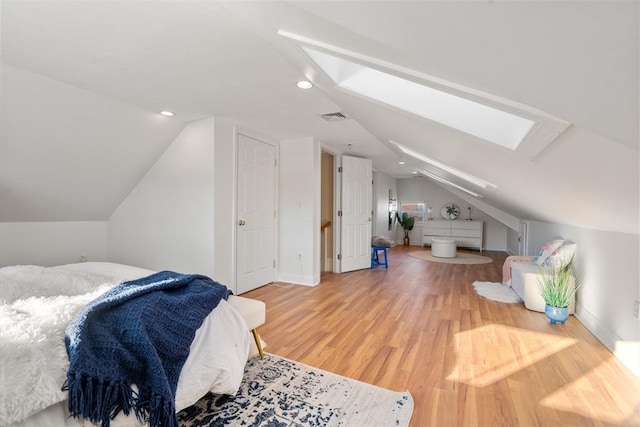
x,y
335,117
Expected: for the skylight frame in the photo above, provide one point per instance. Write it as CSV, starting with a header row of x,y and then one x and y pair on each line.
x,y
449,183
544,129
443,166
475,118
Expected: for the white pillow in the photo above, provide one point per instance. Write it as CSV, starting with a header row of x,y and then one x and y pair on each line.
x,y
547,250
382,242
563,255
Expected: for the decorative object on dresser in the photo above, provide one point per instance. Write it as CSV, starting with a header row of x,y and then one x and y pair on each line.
x,y
465,233
450,211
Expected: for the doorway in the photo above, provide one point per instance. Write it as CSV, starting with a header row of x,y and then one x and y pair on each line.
x,y
356,213
255,222
523,238
326,212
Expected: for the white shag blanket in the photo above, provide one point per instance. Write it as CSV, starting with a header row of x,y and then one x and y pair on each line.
x,y
36,304
496,291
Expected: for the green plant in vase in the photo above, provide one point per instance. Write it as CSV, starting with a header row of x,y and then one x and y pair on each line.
x,y
407,223
558,288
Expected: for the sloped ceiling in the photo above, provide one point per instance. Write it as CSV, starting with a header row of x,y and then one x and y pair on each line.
x,y
96,73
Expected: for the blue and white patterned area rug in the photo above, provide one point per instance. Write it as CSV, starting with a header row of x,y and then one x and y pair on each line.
x,y
277,392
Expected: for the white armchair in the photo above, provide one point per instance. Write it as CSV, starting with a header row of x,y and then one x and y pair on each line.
x,y
526,276
525,279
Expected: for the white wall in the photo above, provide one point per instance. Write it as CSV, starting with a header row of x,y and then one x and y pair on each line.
x,y
167,221
299,212
224,192
607,269
420,189
69,154
52,243
382,183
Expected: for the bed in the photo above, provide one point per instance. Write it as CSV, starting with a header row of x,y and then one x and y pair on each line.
x,y
37,303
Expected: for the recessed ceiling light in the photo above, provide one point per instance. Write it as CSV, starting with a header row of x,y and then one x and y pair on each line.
x,y
401,162
304,84
167,113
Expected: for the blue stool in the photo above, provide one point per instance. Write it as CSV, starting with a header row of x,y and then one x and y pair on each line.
x,y
375,260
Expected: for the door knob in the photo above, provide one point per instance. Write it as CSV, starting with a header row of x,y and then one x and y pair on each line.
x,y
241,222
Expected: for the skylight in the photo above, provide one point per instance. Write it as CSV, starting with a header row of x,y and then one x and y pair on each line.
x,y
433,162
509,124
449,183
491,124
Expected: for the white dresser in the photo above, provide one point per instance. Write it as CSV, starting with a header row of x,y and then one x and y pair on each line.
x,y
466,233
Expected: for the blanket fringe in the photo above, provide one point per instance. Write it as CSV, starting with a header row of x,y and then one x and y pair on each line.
x,y
162,413
101,401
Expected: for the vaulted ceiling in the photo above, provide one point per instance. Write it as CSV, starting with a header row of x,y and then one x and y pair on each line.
x,y
82,83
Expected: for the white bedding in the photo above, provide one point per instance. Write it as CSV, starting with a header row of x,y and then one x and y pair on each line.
x,y
36,304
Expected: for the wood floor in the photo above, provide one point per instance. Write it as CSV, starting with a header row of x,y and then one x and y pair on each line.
x,y
467,361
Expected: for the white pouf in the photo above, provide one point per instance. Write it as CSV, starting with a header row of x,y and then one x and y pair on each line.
x,y
254,313
443,248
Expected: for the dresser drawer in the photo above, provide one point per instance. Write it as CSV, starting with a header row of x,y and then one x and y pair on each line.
x,y
468,242
437,232
466,233
466,225
430,225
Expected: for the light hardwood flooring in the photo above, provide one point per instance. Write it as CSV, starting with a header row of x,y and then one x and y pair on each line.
x,y
467,361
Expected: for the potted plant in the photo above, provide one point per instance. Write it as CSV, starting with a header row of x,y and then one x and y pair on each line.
x,y
558,288
407,224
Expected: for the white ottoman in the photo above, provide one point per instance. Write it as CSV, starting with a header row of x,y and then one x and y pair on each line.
x,y
443,248
254,313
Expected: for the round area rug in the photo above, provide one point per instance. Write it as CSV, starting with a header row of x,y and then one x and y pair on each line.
x,y
461,258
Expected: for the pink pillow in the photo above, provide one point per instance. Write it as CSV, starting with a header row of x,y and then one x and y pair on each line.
x,y
547,250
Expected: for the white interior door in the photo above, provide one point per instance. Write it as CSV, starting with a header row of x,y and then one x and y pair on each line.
x,y
522,238
356,206
256,214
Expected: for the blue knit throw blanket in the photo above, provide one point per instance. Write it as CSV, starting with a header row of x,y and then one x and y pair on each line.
x,y
138,333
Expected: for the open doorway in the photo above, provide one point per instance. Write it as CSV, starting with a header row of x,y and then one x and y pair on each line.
x,y
326,212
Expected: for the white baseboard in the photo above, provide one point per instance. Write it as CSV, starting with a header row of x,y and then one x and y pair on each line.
x,y
299,280
628,352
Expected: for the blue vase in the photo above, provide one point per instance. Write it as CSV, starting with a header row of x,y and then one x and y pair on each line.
x,y
556,314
